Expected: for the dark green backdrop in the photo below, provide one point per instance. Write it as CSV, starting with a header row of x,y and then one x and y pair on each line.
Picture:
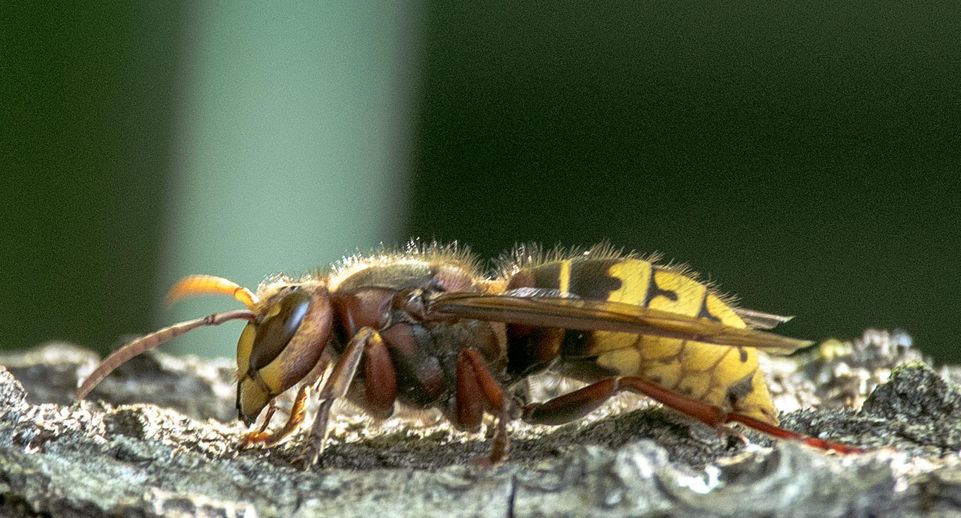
x,y
806,158
86,115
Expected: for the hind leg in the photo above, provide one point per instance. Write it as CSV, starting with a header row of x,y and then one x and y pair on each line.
x,y
577,404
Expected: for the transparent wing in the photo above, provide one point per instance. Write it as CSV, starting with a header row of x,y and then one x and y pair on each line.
x,y
564,312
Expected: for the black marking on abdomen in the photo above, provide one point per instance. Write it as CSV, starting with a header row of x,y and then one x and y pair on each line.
x,y
575,343
704,312
653,290
547,276
738,390
591,279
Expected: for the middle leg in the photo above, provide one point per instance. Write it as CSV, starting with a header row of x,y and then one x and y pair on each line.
x,y
478,390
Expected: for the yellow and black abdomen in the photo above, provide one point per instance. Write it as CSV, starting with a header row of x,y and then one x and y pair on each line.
x,y
724,376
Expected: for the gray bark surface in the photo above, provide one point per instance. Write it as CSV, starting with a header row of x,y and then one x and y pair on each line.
x,y
158,438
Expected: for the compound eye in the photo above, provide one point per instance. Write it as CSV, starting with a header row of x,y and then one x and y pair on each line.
x,y
281,345
280,324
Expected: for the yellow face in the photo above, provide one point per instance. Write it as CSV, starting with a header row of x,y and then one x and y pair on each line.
x,y
281,345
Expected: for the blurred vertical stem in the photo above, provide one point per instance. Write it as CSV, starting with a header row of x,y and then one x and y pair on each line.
x,y
294,137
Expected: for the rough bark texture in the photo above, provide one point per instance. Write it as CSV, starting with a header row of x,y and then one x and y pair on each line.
x,y
158,438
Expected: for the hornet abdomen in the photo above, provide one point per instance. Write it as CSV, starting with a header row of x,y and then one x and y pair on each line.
x,y
725,376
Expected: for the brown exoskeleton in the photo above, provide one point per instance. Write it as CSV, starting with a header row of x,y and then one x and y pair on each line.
x,y
424,328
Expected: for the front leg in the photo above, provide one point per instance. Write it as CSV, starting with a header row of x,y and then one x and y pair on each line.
x,y
293,423
297,411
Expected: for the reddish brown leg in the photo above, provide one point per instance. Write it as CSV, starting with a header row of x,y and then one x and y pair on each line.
x,y
570,406
271,409
292,424
781,433
366,340
380,379
475,374
297,410
581,402
468,397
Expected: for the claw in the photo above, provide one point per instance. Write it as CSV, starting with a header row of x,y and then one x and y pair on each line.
x,y
252,438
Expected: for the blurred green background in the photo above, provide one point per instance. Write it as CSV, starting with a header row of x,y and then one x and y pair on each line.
x,y
805,157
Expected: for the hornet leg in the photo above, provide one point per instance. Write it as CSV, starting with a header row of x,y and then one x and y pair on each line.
x,y
367,340
294,422
583,401
478,390
297,412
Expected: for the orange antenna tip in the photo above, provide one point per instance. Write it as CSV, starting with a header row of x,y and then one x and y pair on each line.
x,y
210,285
